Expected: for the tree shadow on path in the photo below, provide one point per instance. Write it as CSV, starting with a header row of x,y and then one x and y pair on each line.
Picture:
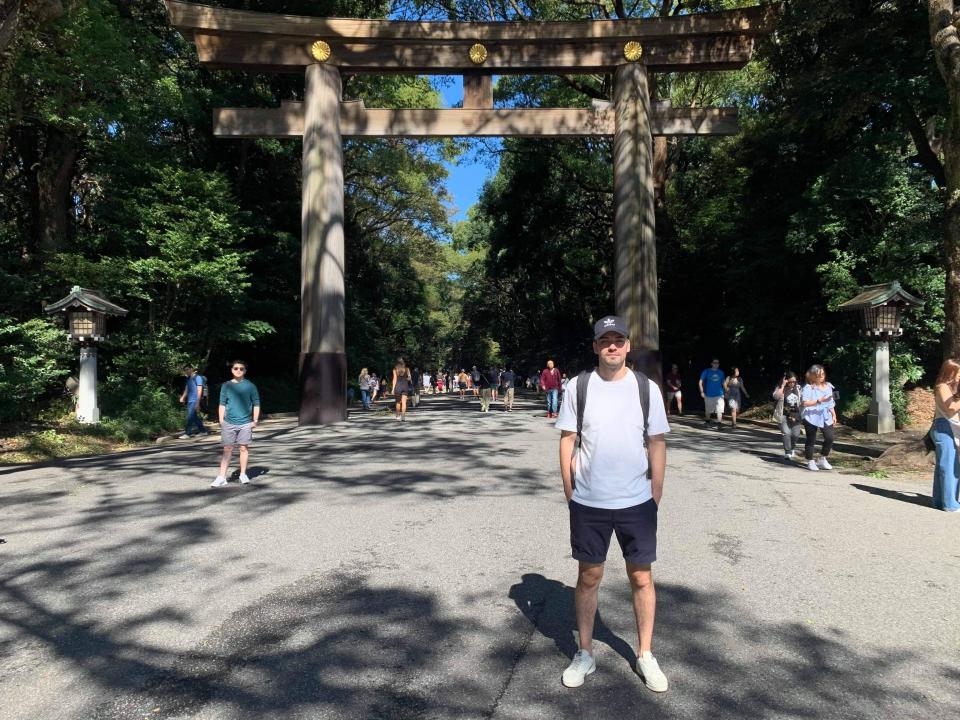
x,y
723,661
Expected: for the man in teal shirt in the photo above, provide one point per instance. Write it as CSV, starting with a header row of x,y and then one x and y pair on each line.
x,y
239,414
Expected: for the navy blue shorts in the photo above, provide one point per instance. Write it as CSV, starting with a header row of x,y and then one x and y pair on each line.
x,y
636,528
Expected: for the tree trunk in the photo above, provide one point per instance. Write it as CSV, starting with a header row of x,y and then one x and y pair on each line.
x,y
946,46
54,181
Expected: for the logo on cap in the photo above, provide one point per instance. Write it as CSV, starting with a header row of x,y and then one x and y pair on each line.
x,y
609,322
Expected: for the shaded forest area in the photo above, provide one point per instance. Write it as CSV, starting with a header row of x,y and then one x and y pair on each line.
x,y
110,178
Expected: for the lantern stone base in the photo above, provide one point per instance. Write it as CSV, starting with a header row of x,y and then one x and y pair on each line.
x,y
880,418
880,415
87,411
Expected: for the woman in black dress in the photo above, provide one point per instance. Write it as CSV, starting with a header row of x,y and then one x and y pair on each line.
x,y
401,388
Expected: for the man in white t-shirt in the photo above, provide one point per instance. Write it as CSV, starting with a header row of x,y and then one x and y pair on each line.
x,y
608,489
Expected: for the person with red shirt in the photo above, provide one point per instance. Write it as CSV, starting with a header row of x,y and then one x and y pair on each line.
x,y
674,384
550,383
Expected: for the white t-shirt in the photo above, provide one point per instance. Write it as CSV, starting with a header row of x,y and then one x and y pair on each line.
x,y
611,470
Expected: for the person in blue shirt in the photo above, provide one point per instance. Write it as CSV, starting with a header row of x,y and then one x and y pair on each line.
x,y
711,390
819,413
191,396
239,415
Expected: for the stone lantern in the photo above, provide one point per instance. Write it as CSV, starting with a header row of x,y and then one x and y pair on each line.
x,y
881,308
86,312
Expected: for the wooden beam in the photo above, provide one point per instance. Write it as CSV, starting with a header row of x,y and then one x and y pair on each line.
x,y
358,121
477,91
293,55
189,17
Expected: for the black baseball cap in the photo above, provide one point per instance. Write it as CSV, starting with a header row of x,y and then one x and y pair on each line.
x,y
610,323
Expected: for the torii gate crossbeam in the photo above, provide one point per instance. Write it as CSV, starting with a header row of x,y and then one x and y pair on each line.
x,y
323,48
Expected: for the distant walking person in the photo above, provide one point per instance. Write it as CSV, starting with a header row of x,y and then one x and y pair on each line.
x,y
363,380
488,381
401,388
819,413
462,380
945,431
475,381
711,390
416,383
787,412
508,381
374,387
427,382
193,392
613,482
735,391
674,383
239,415
550,383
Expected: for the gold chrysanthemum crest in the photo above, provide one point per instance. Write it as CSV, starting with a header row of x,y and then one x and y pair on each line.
x,y
633,51
478,53
320,51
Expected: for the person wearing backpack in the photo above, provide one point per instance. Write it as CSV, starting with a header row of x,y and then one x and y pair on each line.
x,y
787,412
613,456
194,390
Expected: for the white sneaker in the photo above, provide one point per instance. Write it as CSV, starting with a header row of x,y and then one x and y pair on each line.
x,y
221,481
788,456
243,479
649,669
812,465
582,665
184,437
824,465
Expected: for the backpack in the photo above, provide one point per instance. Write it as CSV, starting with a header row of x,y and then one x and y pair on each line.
x,y
583,382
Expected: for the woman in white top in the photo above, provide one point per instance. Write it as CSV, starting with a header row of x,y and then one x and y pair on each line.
x,y
787,412
819,413
946,427
364,382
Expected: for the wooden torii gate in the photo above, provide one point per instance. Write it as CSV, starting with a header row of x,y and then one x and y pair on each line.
x,y
323,48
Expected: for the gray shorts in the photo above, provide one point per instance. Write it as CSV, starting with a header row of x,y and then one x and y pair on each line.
x,y
236,434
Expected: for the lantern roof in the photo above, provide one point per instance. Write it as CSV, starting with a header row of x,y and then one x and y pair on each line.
x,y
882,294
92,300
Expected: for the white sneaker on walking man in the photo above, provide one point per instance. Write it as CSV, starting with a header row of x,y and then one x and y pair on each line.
x,y
608,488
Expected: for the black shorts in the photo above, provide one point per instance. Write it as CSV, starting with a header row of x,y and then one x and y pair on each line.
x,y
636,528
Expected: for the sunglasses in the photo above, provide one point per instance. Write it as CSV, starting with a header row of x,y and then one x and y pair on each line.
x,y
240,368
607,342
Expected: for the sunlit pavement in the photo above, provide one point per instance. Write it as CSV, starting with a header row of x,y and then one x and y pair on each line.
x,y
379,569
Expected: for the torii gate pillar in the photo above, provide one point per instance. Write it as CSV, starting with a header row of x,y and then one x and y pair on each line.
x,y
635,247
323,358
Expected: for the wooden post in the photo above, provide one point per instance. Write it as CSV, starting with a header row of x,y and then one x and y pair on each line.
x,y
323,360
477,91
635,246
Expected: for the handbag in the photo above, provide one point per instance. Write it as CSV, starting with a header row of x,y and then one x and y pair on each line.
x,y
928,442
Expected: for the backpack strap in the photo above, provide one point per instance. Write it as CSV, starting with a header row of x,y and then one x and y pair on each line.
x,y
644,384
583,381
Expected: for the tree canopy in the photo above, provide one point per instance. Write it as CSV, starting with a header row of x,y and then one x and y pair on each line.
x,y
110,178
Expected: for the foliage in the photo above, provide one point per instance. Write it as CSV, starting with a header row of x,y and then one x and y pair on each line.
x,y
110,178
139,411
35,357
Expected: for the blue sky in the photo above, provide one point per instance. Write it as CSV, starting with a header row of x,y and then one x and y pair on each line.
x,y
466,178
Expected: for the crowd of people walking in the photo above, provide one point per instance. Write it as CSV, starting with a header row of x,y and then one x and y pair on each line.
x,y
807,408
491,385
